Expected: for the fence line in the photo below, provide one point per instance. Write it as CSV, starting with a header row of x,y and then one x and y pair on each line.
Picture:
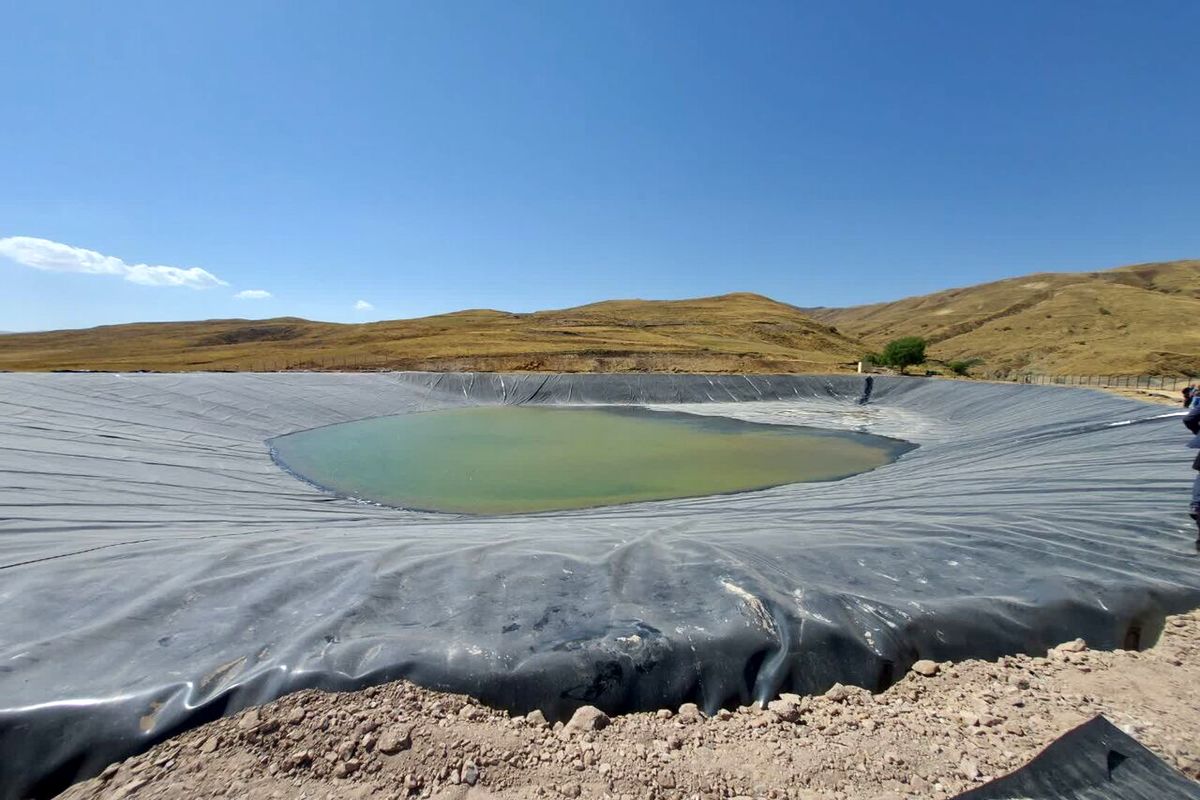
x,y
1166,383
363,363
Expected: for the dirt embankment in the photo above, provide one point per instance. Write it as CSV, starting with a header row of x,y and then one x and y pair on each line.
x,y
929,736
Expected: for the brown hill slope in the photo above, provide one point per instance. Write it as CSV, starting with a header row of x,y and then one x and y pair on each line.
x,y
1143,319
730,333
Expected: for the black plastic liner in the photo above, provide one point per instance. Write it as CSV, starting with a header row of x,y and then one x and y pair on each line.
x,y
157,570
1095,761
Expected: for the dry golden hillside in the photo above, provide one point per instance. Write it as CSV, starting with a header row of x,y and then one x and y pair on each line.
x,y
1132,320
730,333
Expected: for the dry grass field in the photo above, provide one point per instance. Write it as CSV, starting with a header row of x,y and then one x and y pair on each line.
x,y
731,333
1143,319
1133,320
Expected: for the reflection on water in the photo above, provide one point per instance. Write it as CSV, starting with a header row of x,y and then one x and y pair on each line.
x,y
512,459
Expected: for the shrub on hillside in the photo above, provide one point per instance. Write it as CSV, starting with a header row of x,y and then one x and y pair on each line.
x,y
962,367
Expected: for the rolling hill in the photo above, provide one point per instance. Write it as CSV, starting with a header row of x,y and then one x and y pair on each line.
x,y
1142,319
730,333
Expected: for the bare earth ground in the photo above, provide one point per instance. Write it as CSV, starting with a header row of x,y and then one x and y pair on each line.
x,y
926,737
1160,396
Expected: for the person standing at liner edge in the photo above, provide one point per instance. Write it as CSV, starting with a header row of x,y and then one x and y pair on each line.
x,y
1192,421
1188,392
1195,508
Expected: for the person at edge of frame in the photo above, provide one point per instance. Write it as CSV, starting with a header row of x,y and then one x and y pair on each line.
x,y
1195,507
1191,421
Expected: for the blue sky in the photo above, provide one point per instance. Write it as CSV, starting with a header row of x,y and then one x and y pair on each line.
x,y
427,157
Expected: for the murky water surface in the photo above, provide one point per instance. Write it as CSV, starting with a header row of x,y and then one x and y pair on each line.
x,y
512,459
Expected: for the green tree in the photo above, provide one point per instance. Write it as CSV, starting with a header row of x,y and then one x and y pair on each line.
x,y
904,352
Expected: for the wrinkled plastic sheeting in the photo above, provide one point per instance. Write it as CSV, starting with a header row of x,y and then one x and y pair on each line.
x,y
157,570
1095,761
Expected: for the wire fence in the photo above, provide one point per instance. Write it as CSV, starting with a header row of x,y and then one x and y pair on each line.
x,y
1163,382
319,362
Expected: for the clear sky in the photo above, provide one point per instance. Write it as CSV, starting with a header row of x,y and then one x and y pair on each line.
x,y
428,157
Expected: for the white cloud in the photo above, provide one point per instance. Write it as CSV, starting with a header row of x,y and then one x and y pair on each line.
x,y
58,257
363,305
252,294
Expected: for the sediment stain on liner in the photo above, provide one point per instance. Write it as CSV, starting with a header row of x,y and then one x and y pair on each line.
x,y
507,459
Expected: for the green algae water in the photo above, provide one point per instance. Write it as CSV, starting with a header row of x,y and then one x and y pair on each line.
x,y
514,459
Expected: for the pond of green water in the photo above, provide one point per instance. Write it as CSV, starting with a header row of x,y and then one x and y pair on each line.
x,y
513,459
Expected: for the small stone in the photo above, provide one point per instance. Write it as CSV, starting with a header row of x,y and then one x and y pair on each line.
x,y
1074,646
690,713
586,718
926,668
393,740
785,710
470,773
535,719
210,745
969,769
571,789
249,720
131,787
470,713
838,693
296,716
664,713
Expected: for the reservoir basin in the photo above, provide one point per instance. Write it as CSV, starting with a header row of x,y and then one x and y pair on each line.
x,y
520,459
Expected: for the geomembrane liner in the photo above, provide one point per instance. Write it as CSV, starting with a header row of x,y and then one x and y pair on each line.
x,y
158,570
1094,761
